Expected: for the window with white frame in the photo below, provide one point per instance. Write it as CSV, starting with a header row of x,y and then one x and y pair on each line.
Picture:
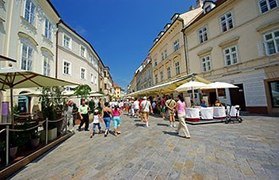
x,y
82,73
92,78
82,51
155,62
91,59
48,29
162,75
203,34
266,5
156,78
29,12
67,67
46,68
176,45
271,41
226,22
67,41
26,57
169,72
166,54
206,63
231,56
95,80
177,68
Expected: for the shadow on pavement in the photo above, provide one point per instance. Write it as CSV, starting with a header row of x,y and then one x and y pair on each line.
x,y
160,124
171,133
137,120
140,125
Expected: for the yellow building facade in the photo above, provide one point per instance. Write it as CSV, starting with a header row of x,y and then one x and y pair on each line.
x,y
237,41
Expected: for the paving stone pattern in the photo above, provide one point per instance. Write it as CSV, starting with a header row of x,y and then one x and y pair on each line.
x,y
249,150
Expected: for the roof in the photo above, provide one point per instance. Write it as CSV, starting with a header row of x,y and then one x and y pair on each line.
x,y
186,17
56,12
202,15
63,22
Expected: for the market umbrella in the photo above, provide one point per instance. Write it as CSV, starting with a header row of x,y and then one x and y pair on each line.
x,y
191,85
96,94
219,85
11,78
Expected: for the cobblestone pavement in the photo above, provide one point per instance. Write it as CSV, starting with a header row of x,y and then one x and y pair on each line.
x,y
215,151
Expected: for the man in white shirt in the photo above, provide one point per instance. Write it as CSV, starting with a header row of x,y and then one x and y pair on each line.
x,y
136,108
146,108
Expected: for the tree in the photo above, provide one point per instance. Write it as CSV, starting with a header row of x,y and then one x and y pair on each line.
x,y
82,91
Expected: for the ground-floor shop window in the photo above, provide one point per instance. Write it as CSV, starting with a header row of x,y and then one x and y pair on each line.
x,y
274,93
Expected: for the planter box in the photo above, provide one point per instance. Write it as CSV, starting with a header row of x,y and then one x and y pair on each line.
x,y
52,134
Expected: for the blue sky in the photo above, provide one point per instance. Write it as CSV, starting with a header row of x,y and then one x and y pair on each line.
x,y
121,31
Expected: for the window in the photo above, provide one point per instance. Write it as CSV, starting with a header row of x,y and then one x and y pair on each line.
x,y
177,68
266,5
106,86
226,22
92,79
203,34
230,56
206,64
162,55
155,63
46,68
176,45
91,59
26,57
156,78
166,54
162,75
95,80
67,41
82,51
274,93
67,67
272,42
29,14
169,72
82,73
48,28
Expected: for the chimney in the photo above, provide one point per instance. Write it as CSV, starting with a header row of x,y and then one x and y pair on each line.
x,y
199,3
191,8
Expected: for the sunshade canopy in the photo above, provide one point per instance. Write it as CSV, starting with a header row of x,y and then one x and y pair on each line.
x,y
168,87
190,85
14,78
219,85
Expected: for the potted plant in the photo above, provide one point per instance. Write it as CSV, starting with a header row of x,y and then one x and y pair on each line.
x,y
14,143
35,138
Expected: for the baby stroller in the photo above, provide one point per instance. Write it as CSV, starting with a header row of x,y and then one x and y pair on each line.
x,y
233,114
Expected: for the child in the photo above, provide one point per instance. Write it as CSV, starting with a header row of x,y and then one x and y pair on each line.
x,y
117,120
96,122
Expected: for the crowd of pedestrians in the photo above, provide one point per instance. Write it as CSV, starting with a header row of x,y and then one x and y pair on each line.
x,y
93,114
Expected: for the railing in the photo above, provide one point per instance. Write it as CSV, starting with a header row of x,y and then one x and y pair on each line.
x,y
8,130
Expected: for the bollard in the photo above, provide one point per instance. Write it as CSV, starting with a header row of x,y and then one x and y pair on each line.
x,y
46,131
7,145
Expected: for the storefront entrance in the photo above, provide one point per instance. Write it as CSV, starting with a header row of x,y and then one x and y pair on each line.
x,y
237,96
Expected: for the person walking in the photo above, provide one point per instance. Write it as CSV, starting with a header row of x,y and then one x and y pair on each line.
x,y
69,109
146,109
171,105
163,107
83,113
116,113
180,107
106,115
96,122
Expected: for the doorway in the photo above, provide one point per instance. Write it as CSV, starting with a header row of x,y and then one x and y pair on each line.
x,y
237,96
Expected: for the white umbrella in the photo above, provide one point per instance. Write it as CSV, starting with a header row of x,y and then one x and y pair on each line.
x,y
219,85
11,78
191,85
96,94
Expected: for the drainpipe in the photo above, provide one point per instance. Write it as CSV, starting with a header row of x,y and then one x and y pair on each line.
x,y
56,59
185,44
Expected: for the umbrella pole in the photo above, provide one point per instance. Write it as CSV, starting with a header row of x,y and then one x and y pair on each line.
x,y
12,106
193,95
217,95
